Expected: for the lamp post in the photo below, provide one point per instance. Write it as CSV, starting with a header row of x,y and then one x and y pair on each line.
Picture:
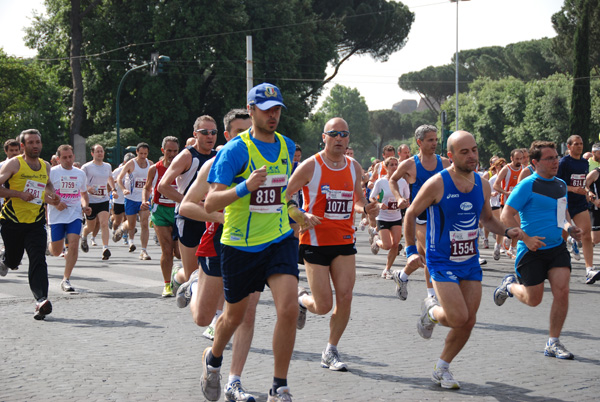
x,y
456,59
155,62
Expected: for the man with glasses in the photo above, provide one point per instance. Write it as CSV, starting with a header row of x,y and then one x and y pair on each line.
x,y
332,193
541,202
183,171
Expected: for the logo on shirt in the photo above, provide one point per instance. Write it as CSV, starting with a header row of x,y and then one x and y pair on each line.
x,y
272,169
466,206
452,196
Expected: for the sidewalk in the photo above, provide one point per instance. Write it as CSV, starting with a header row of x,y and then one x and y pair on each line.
x,y
119,340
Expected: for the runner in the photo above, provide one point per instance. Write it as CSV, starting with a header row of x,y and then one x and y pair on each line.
x,y
163,210
416,171
119,223
541,201
456,200
332,192
26,187
66,218
507,179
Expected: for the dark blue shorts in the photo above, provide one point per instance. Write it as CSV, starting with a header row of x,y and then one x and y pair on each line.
x,y
211,265
189,232
577,209
58,231
245,272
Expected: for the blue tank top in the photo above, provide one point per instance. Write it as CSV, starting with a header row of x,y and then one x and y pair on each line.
x,y
453,227
423,174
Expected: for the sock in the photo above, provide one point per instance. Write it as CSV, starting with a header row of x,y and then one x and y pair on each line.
x,y
330,347
169,282
213,361
403,276
104,248
441,364
431,292
588,269
430,313
143,249
85,238
300,301
194,287
234,378
278,383
497,246
552,340
508,288
94,238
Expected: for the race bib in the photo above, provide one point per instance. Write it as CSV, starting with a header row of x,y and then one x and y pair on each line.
x,y
578,180
463,244
100,191
68,185
164,200
267,198
37,189
139,183
392,205
339,204
561,212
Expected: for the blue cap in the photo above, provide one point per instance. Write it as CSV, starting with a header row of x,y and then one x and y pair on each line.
x,y
265,96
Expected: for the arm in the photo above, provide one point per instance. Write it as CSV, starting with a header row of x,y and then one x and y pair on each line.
x,y
147,190
180,164
499,180
10,168
128,168
509,219
85,203
360,202
404,171
192,206
50,197
491,223
589,180
301,177
219,196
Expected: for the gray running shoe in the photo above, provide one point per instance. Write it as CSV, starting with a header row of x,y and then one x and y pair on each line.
x,y
209,333
425,324
184,293
444,378
210,382
496,253
372,233
3,267
401,286
84,245
558,350
301,310
42,309
144,256
65,285
374,245
575,250
331,360
174,284
482,261
501,293
117,235
234,392
106,254
283,395
590,278
132,248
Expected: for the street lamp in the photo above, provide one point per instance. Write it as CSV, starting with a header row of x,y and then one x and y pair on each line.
x,y
155,63
456,59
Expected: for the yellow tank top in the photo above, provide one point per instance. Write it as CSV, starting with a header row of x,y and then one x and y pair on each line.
x,y
261,216
28,180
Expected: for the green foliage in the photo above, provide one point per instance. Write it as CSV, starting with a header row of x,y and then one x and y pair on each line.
x,y
30,99
128,137
579,119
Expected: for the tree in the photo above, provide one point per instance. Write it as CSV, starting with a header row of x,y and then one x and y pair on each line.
x,y
579,119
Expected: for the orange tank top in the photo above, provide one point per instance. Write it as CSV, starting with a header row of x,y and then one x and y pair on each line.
x,y
330,196
510,181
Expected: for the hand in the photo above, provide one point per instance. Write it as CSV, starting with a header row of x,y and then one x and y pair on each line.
x,y
516,233
415,261
403,203
126,192
575,232
26,196
61,206
533,243
115,194
52,198
145,206
383,206
372,210
256,179
87,210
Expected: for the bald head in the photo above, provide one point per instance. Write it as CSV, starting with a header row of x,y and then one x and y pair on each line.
x,y
458,138
337,123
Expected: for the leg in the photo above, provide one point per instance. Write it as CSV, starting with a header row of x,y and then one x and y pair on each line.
x,y
71,256
131,222
343,275
35,245
227,323
559,283
165,238
393,253
189,262
242,338
529,295
582,220
90,226
103,224
321,299
206,298
145,232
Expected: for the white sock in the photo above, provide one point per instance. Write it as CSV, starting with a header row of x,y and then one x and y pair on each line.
x,y
403,276
431,315
431,292
441,364
194,287
552,340
508,288
330,347
234,378
300,301
588,269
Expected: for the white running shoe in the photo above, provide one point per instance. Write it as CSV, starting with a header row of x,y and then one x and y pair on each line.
x,y
444,378
425,325
332,361
401,286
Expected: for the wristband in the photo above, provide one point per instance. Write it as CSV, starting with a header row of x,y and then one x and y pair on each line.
x,y
241,189
569,229
292,203
506,233
410,250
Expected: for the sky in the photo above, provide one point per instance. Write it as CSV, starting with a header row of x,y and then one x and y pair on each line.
x,y
431,41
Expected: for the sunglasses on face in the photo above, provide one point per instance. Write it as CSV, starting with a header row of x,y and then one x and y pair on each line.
x,y
334,133
207,132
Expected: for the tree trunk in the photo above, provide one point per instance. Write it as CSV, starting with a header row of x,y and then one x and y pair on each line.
x,y
579,119
77,109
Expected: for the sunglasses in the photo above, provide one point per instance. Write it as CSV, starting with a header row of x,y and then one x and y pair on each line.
x,y
207,132
334,133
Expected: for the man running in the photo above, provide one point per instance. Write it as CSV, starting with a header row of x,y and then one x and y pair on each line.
x,y
26,187
100,184
135,174
65,219
163,209
416,171
455,200
332,193
541,202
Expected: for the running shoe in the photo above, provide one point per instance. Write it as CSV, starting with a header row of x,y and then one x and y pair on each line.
x,y
106,254
301,310
110,222
506,243
512,253
331,360
174,284
93,242
575,250
65,285
374,245
482,261
209,333
283,395
486,243
184,293
3,267
84,245
42,309
496,253
386,274
363,224
501,293
117,235
444,377
372,233
167,291
210,382
132,248
144,256
156,240
234,392
401,286
425,325
558,350
590,278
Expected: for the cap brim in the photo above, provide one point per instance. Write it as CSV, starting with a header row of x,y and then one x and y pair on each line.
x,y
269,104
